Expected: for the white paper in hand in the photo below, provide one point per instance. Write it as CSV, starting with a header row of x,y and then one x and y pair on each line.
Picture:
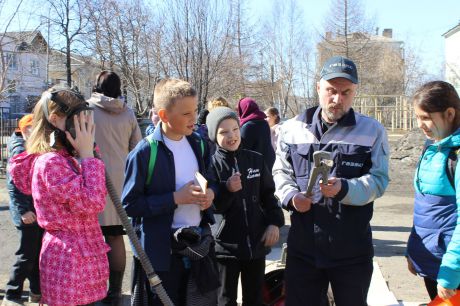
x,y
201,181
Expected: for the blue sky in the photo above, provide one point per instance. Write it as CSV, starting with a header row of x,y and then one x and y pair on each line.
x,y
419,23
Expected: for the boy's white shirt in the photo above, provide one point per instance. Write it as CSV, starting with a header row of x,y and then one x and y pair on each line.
x,y
186,166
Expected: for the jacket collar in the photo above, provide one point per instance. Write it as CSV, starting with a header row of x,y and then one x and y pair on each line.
x,y
157,133
312,116
452,140
194,139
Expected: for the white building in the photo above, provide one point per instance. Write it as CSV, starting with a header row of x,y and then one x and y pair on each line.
x,y
23,69
84,71
452,44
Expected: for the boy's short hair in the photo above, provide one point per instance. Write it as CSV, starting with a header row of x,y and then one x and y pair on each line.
x,y
167,91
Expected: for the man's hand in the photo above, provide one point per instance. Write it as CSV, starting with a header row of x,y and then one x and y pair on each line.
x,y
301,203
271,235
190,194
445,293
29,217
332,188
234,182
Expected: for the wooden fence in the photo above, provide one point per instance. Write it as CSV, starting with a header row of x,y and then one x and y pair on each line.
x,y
394,112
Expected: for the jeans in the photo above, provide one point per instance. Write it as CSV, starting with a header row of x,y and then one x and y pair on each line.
x,y
26,265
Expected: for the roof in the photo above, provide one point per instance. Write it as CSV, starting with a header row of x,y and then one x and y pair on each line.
x,y
362,36
23,36
452,31
27,38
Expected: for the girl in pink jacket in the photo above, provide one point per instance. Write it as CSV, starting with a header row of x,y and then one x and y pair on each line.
x,y
68,187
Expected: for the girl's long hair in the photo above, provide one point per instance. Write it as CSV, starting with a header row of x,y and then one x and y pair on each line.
x,y
39,139
437,96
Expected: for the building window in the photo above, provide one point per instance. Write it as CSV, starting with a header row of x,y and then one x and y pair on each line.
x,y
11,87
11,61
35,67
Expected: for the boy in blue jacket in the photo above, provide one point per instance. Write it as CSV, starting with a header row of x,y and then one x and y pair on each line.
x,y
172,212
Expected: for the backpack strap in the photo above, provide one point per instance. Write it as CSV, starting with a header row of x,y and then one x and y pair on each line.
x,y
452,164
152,159
202,147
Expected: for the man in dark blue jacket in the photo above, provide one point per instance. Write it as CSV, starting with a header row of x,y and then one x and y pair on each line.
x,y
30,234
330,239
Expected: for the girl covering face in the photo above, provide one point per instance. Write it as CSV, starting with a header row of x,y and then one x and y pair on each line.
x,y
68,189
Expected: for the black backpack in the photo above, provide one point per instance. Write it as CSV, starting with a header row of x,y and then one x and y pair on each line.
x,y
451,164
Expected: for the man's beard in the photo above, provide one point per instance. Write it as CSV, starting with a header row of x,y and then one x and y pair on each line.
x,y
334,116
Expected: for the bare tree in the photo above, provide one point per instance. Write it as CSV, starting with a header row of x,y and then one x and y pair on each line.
x,y
67,19
453,70
415,73
286,52
6,61
379,58
345,27
198,40
123,38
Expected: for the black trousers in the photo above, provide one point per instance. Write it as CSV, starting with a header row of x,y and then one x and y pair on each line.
x,y
431,287
306,285
252,279
26,265
174,282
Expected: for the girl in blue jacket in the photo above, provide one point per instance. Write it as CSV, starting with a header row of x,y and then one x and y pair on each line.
x,y
434,243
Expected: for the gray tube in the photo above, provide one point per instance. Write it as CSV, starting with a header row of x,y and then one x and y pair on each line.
x,y
154,280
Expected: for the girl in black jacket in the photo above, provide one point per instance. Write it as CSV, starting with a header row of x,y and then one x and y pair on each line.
x,y
251,215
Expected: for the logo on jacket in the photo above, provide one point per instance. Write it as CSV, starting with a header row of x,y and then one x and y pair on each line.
x,y
352,164
252,173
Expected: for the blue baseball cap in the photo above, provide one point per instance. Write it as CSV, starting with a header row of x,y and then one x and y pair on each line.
x,y
339,67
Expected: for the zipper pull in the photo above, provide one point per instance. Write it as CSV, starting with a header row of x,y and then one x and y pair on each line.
x,y
236,166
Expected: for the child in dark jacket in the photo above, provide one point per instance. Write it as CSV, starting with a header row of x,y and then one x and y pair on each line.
x,y
250,211
30,234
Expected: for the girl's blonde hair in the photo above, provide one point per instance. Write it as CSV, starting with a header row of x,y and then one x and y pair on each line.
x,y
219,101
39,139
